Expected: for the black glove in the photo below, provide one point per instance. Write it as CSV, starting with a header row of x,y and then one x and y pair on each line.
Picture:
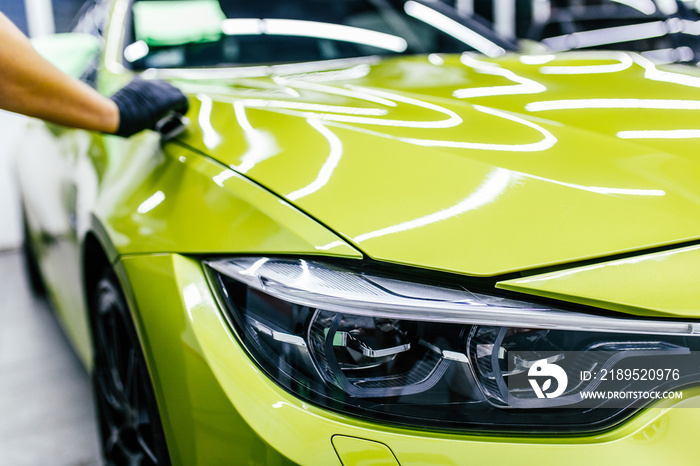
x,y
143,103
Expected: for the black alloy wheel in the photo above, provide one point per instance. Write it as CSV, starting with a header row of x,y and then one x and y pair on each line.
x,y
130,427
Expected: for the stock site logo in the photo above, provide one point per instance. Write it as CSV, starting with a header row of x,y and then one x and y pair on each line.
x,y
543,370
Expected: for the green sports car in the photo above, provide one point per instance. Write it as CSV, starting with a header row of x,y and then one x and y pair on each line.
x,y
383,238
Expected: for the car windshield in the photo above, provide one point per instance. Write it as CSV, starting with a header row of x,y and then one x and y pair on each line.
x,y
206,33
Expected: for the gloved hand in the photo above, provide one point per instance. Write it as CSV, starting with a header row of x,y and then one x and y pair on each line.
x,y
143,103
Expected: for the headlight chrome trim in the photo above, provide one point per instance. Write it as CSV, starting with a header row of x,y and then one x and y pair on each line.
x,y
395,306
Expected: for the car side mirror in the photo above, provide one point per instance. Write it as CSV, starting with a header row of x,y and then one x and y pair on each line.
x,y
72,53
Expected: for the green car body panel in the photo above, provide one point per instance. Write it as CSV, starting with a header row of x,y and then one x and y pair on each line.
x,y
498,176
517,168
630,285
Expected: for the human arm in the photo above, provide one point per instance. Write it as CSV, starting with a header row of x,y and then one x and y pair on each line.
x,y
32,86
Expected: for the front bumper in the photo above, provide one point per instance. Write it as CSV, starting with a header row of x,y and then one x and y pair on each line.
x,y
217,407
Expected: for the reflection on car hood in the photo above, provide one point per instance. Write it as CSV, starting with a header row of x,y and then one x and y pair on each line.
x,y
468,165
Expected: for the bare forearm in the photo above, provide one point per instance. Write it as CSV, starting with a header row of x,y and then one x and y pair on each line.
x,y
32,86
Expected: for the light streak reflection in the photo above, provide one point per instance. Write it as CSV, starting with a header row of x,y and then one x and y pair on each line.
x,y
453,28
660,134
328,167
601,189
625,61
655,74
493,186
210,136
611,35
283,104
645,6
299,28
659,256
353,114
261,145
547,142
578,104
317,87
136,51
223,176
151,203
536,59
522,86
332,245
192,297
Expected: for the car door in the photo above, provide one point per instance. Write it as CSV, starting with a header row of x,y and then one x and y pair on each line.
x,y
57,181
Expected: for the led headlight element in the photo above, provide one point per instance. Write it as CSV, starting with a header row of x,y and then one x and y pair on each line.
x,y
427,355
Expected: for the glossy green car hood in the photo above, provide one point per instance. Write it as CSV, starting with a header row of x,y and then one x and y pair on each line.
x,y
467,165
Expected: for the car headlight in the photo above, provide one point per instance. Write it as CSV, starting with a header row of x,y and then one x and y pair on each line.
x,y
427,355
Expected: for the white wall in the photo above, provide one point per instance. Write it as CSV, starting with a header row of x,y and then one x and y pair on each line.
x,y
40,21
10,223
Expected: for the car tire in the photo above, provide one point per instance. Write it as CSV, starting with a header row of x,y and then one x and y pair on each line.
x,y
130,427
31,264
